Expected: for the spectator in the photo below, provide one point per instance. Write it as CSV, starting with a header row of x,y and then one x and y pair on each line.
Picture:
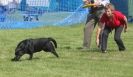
x,y
110,20
93,16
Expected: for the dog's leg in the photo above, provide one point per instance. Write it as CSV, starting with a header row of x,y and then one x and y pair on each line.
x,y
16,58
54,52
31,55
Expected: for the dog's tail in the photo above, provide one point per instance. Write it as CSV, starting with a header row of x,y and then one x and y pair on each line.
x,y
51,39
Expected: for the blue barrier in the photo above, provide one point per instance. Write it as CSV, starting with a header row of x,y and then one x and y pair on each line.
x,y
30,14
36,13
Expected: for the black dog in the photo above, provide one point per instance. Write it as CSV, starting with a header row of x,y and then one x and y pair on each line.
x,y
30,46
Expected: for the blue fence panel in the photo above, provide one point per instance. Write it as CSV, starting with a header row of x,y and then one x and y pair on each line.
x,y
36,13
121,5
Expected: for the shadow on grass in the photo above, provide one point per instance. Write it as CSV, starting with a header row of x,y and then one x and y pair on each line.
x,y
95,49
36,58
88,50
65,47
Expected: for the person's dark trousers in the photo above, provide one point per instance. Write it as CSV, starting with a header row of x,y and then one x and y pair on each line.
x,y
104,38
100,41
117,38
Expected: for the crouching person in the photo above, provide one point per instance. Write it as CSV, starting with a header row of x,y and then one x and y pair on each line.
x,y
110,20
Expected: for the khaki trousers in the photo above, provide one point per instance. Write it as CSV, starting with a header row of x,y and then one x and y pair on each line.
x,y
92,20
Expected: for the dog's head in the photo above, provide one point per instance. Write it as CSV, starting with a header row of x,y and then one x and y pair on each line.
x,y
24,46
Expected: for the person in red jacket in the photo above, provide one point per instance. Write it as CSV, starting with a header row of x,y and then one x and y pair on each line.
x,y
110,20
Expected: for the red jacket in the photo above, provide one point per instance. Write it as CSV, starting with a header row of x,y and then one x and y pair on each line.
x,y
118,20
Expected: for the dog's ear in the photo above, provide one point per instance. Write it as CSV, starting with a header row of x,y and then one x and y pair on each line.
x,y
20,46
30,45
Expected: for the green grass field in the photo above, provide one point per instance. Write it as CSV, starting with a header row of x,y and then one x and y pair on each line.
x,y
72,62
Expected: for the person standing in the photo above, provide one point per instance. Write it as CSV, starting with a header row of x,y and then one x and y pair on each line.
x,y
110,20
93,16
